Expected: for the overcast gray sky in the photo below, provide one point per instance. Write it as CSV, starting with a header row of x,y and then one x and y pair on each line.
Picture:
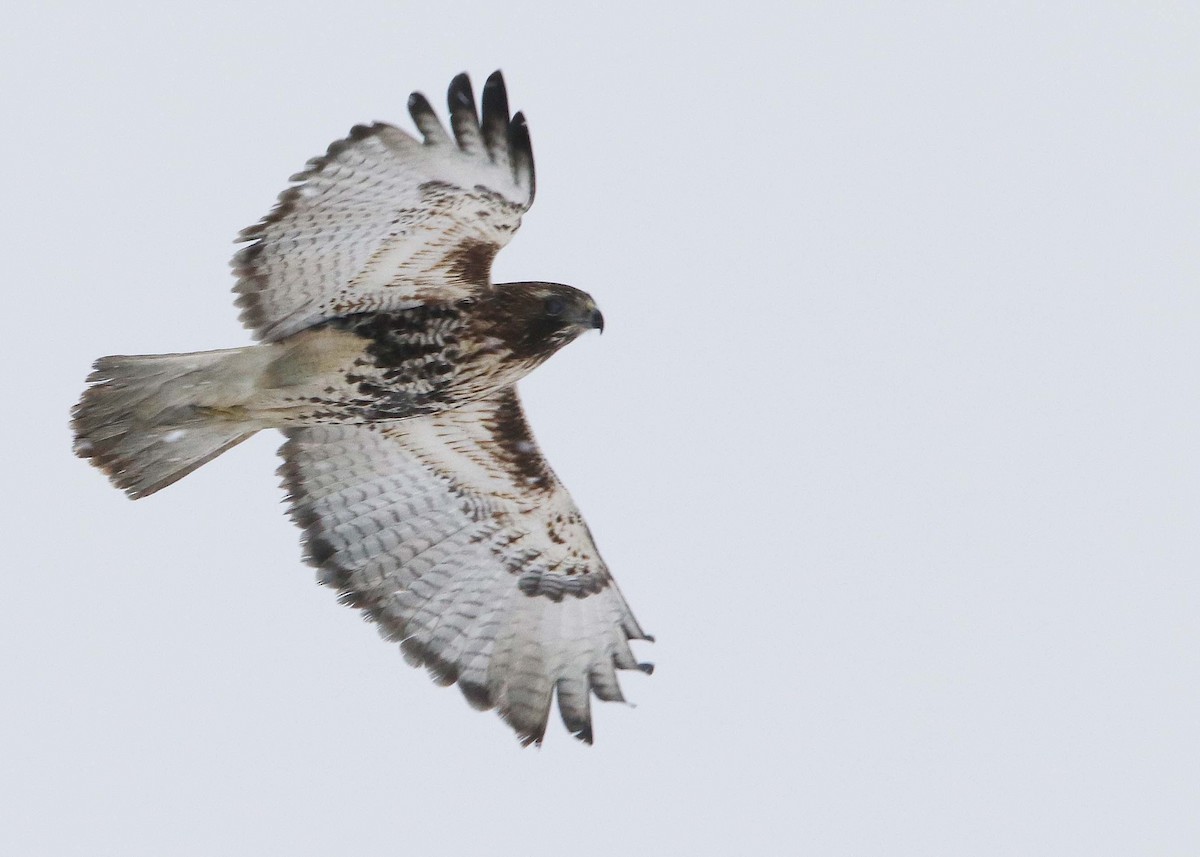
x,y
891,438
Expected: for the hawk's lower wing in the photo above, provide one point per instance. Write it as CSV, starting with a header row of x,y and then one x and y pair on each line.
x,y
454,535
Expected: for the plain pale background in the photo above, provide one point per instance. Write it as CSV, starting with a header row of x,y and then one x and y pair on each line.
x,y
891,440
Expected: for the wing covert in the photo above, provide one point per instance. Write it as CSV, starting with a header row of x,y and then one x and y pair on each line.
x,y
453,534
383,221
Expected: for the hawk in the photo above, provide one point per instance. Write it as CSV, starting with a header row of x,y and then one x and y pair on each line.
x,y
389,360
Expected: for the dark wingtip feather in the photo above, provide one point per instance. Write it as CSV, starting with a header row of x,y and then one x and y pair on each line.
x,y
460,93
534,739
520,153
417,103
495,83
528,721
575,710
426,119
495,116
464,119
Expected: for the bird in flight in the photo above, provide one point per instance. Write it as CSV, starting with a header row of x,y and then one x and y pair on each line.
x,y
389,360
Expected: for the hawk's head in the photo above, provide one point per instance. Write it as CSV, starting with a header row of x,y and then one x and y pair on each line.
x,y
536,319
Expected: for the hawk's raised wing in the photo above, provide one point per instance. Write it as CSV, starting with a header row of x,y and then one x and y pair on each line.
x,y
452,533
384,222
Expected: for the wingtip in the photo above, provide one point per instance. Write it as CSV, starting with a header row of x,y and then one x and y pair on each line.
x,y
494,80
495,121
521,154
425,118
527,739
460,93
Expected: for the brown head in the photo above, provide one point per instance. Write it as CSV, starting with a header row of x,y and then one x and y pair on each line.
x,y
536,319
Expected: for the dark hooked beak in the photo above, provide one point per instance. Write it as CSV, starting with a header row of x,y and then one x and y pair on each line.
x,y
597,320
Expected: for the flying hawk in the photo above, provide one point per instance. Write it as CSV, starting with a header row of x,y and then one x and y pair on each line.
x,y
389,360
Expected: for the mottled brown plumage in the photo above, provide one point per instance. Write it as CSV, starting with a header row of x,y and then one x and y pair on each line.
x,y
389,361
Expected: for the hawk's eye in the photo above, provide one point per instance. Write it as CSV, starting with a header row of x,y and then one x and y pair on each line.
x,y
555,306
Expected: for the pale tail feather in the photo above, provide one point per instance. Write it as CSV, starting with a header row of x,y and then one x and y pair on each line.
x,y
148,421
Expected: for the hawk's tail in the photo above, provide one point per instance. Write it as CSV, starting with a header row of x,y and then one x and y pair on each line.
x,y
149,421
